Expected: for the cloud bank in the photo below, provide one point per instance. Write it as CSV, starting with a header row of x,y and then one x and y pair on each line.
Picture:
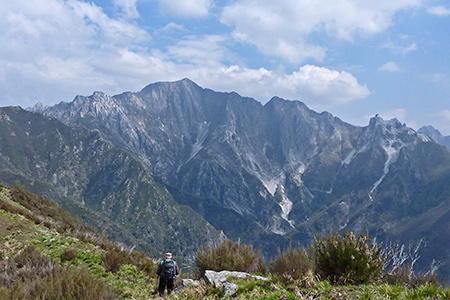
x,y
55,49
285,28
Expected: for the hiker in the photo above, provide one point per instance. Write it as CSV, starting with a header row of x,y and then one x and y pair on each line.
x,y
167,272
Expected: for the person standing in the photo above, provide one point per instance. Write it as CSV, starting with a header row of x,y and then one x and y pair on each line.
x,y
167,272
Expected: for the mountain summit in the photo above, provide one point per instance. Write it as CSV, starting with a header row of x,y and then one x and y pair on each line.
x,y
436,135
266,173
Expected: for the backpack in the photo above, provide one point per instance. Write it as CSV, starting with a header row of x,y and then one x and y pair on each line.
x,y
168,269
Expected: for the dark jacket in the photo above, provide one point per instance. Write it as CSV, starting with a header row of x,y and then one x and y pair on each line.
x,y
177,270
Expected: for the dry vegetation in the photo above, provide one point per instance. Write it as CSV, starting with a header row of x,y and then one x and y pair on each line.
x,y
230,256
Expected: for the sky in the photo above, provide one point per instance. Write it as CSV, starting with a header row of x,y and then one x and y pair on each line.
x,y
352,58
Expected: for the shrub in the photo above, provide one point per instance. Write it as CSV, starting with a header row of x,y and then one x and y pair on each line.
x,y
404,275
69,254
400,275
113,260
348,259
26,266
427,278
31,258
30,275
292,264
142,262
230,256
60,283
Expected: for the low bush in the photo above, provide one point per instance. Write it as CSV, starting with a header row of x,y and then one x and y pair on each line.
x,y
31,258
427,278
404,275
30,275
60,283
348,259
27,265
230,256
292,264
113,260
69,254
142,262
400,275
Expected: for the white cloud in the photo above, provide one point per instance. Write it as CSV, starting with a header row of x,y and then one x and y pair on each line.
x,y
171,28
186,8
318,87
204,50
390,67
127,8
323,86
440,11
114,31
283,28
58,49
397,49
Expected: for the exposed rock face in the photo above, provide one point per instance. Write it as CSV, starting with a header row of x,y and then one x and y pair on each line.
x,y
264,173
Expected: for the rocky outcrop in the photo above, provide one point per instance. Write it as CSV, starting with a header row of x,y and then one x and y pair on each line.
x,y
217,279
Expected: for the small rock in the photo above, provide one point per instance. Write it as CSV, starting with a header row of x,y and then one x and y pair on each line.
x,y
190,282
185,283
229,289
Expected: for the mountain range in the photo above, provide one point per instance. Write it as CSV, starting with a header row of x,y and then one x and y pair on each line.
x,y
436,135
176,166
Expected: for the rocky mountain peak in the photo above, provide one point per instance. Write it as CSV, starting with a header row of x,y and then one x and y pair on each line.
x,y
436,135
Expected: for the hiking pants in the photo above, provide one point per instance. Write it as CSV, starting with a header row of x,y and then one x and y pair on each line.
x,y
162,286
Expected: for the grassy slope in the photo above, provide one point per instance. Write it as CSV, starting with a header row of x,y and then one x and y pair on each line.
x,y
51,236
26,219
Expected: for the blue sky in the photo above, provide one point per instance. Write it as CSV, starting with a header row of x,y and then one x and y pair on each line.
x,y
353,58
